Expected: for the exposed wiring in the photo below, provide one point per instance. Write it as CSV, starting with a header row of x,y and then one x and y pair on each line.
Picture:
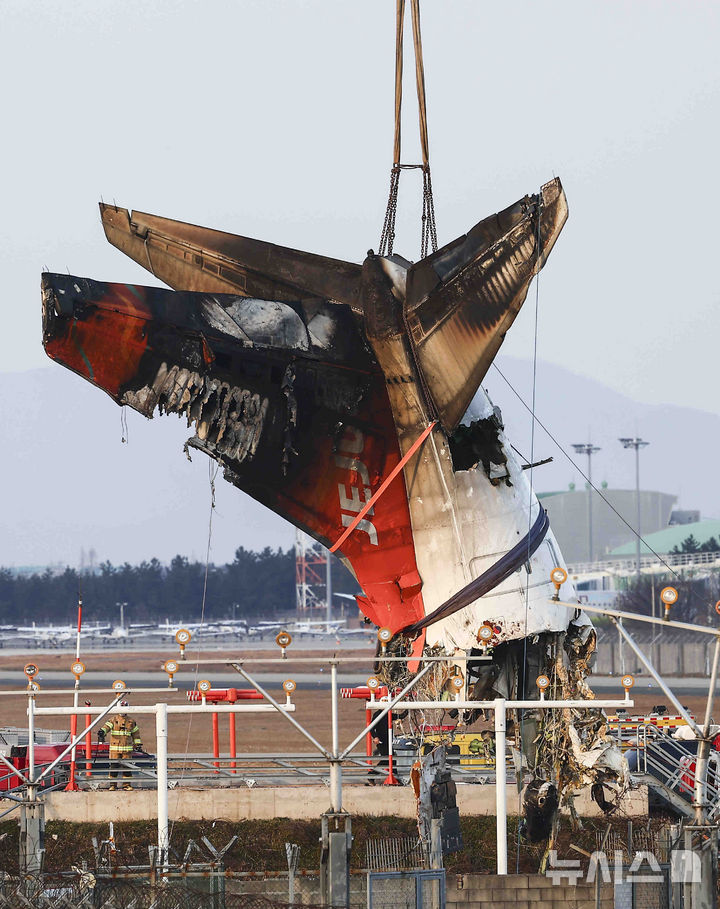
x,y
124,433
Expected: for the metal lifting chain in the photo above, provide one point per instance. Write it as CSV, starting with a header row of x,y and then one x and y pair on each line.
x,y
428,235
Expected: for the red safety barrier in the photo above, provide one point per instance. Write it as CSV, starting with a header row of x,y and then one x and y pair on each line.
x,y
228,696
231,695
661,720
363,692
390,779
233,752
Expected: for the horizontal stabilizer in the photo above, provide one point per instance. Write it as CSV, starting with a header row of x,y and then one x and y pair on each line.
x,y
187,257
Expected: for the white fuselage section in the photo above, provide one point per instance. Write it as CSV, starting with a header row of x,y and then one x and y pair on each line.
x,y
462,523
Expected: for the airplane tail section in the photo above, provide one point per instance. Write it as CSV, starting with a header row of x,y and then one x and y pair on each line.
x,y
461,300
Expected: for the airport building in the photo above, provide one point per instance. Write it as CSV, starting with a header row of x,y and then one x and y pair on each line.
x,y
568,513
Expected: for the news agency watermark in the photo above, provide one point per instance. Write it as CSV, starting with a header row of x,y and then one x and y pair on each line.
x,y
685,868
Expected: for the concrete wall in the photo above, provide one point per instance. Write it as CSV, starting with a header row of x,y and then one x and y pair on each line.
x,y
297,803
522,891
671,658
462,891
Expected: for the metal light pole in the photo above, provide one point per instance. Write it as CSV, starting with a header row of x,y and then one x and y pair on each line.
x,y
588,449
637,444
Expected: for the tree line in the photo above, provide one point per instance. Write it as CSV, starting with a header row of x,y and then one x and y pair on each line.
x,y
697,596
690,544
254,584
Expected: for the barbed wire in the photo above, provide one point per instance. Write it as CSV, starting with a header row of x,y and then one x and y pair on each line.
x,y
86,890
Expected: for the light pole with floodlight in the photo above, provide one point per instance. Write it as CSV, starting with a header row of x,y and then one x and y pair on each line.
x,y
588,449
637,444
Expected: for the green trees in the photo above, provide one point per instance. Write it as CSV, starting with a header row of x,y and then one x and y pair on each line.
x,y
254,584
697,595
690,544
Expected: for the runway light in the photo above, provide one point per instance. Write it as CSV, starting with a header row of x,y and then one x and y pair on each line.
x,y
558,576
289,686
457,682
373,684
182,636
31,670
171,667
77,669
543,682
627,681
119,685
669,597
283,640
204,686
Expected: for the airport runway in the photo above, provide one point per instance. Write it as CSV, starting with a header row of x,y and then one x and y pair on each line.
x,y
225,677
220,677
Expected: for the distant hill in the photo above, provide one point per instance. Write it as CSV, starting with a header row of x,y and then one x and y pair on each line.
x,y
69,483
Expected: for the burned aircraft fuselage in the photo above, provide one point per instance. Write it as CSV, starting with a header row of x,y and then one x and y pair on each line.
x,y
309,379
312,381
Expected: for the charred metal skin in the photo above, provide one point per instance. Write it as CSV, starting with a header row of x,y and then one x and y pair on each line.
x,y
540,804
286,396
309,378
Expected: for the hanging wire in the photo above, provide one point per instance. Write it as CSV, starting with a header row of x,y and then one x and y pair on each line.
x,y
530,499
595,489
213,468
124,433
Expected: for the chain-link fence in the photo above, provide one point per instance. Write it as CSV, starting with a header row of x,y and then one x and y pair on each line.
x,y
84,890
643,888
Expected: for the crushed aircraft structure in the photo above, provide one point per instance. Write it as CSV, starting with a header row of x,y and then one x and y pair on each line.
x,y
311,379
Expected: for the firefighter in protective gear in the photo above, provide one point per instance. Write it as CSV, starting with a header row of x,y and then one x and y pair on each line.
x,y
124,739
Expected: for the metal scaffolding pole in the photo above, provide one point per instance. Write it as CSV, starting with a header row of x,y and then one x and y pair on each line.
x,y
658,678
703,753
501,785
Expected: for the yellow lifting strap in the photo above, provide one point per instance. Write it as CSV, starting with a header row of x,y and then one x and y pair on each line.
x,y
419,79
429,233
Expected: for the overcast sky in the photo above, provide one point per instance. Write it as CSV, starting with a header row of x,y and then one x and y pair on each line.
x,y
274,120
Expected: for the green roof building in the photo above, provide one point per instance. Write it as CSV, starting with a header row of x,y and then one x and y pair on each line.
x,y
664,541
